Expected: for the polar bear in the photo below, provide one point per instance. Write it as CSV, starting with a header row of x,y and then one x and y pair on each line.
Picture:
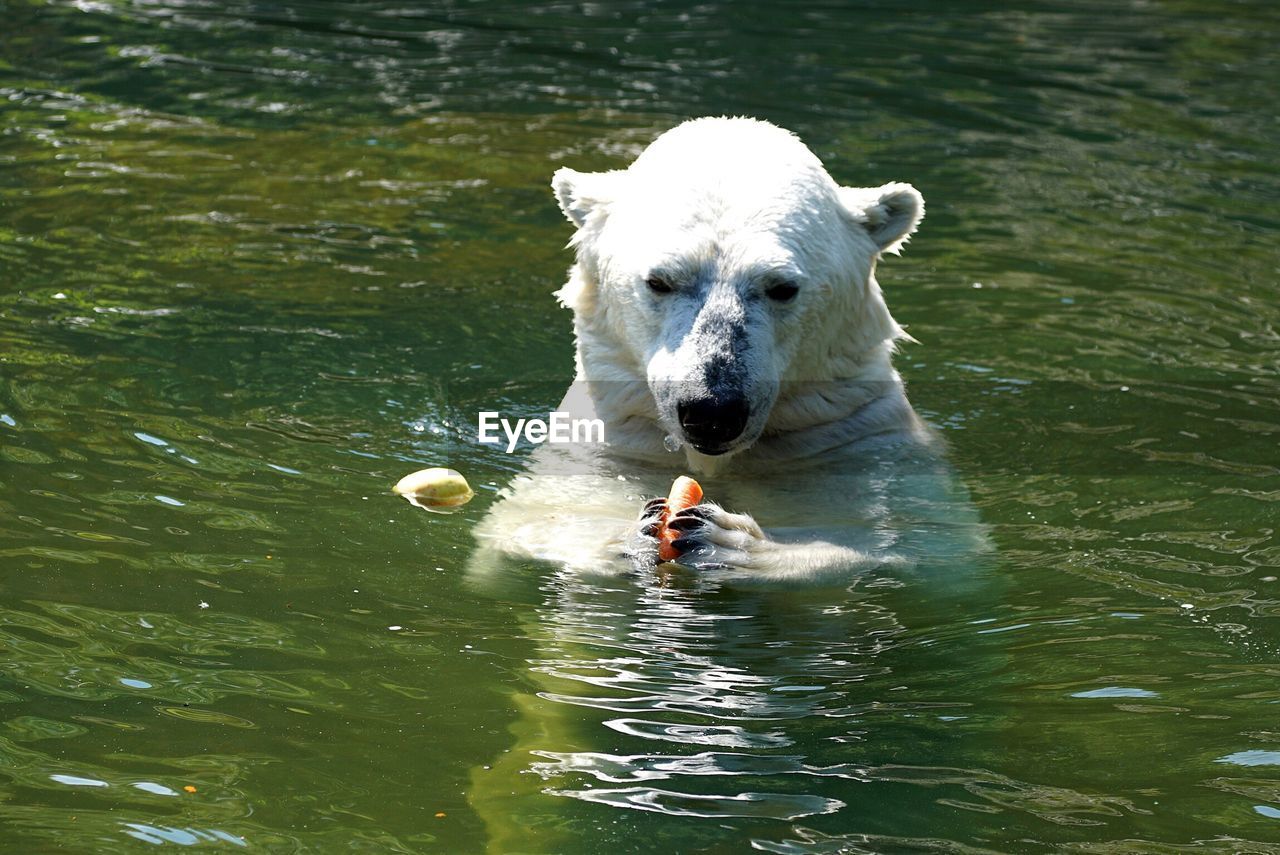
x,y
729,323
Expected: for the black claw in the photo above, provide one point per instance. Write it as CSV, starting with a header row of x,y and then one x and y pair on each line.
x,y
650,530
684,544
652,507
685,523
691,516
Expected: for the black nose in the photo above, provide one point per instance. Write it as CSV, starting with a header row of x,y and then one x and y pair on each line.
x,y
713,422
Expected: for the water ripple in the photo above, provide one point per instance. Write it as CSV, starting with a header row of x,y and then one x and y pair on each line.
x,y
260,260
759,805
729,736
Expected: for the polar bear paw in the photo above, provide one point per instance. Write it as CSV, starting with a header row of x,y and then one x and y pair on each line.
x,y
712,538
642,545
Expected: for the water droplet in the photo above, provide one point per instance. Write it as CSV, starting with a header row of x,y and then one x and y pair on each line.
x,y
672,442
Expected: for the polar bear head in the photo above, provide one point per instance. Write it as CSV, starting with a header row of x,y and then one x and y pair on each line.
x,y
722,268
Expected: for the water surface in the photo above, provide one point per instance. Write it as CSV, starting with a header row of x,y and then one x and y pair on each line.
x,y
259,260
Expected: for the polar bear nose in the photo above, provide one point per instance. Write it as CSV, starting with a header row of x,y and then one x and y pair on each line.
x,y
713,422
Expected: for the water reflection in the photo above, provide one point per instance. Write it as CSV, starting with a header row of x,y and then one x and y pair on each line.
x,y
704,703
698,701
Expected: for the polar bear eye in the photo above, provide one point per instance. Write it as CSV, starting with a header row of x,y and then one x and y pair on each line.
x,y
658,285
782,292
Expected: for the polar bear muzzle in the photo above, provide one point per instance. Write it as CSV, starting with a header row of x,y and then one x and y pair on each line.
x,y
713,422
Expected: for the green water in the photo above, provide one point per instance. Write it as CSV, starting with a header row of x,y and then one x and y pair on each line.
x,y
258,260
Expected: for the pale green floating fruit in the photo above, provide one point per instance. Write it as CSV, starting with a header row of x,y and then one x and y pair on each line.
x,y
435,488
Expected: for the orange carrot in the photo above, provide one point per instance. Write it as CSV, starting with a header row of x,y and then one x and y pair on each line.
x,y
685,493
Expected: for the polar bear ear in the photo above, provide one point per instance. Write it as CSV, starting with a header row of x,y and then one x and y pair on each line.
x,y
581,193
889,213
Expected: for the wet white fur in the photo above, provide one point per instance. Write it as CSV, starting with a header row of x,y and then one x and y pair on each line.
x,y
724,207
